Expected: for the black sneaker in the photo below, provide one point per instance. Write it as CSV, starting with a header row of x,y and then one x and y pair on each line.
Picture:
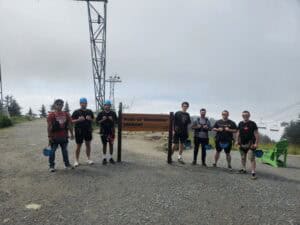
x,y
104,162
112,161
194,163
69,167
230,168
214,164
204,164
253,176
51,170
242,171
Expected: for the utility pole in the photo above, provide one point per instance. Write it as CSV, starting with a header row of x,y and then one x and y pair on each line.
x,y
97,13
112,81
1,91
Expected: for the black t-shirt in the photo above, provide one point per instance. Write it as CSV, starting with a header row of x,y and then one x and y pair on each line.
x,y
86,124
225,135
107,125
247,130
181,122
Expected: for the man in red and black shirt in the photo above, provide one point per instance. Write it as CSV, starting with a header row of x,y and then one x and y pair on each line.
x,y
59,124
247,139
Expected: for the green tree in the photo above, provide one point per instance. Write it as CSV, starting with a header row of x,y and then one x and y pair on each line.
x,y
292,132
12,105
67,108
43,112
30,113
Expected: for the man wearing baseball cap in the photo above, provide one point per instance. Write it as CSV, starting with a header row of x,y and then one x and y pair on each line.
x,y
83,118
107,120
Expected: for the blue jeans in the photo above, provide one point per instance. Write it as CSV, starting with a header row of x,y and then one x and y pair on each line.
x,y
64,150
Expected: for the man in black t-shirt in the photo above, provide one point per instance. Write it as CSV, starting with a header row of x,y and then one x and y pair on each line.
x,y
83,118
181,121
247,139
107,120
225,128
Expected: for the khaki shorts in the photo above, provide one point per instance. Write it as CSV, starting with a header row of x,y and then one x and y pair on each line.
x,y
250,152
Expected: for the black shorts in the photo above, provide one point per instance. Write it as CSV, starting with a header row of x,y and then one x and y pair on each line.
x,y
219,148
83,135
180,137
108,138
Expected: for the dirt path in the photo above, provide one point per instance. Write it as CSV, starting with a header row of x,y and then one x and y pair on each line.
x,y
141,190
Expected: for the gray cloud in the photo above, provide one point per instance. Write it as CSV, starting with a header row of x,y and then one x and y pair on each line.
x,y
216,54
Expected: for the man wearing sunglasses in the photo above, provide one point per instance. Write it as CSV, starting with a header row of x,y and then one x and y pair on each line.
x,y
247,139
224,128
181,121
59,126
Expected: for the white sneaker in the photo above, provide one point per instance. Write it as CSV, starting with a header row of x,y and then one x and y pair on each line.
x,y
76,164
90,162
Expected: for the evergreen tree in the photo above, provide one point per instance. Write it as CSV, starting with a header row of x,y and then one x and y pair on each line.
x,y
30,113
43,112
12,105
292,132
67,108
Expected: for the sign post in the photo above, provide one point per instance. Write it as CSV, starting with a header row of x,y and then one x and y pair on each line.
x,y
145,122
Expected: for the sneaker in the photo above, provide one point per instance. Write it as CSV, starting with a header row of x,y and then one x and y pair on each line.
x,y
90,162
104,162
181,161
76,164
204,164
253,176
230,168
194,163
112,161
69,167
242,171
214,164
51,170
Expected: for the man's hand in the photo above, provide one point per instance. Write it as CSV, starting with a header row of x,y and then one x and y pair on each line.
x,y
110,117
104,118
81,118
254,146
205,127
89,118
50,139
220,129
237,144
227,129
72,137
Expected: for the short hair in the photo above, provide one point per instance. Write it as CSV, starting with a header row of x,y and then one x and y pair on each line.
x,y
202,110
246,111
225,111
57,101
185,103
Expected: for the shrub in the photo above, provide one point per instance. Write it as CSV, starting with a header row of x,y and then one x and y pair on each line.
x,y
5,121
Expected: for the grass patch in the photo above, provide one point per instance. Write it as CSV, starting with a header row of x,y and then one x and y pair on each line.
x,y
5,121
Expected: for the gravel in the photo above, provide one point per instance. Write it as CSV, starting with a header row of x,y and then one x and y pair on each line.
x,y
143,189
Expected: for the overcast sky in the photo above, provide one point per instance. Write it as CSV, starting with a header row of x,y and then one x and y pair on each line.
x,y
217,54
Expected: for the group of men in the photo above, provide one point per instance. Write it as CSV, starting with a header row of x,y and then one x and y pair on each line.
x,y
246,137
60,125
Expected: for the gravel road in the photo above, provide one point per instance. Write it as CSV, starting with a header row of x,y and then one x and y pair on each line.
x,y
141,190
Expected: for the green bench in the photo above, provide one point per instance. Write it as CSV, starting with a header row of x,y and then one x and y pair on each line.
x,y
272,156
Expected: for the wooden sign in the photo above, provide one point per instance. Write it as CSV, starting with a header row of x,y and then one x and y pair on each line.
x,y
145,122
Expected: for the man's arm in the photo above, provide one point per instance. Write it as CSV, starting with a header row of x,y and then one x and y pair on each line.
x,y
237,142
195,125
70,126
49,128
256,134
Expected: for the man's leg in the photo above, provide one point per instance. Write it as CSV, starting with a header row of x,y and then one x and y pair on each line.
x,y
77,153
88,149
111,152
253,163
196,149
243,159
204,142
52,156
64,150
217,155
228,156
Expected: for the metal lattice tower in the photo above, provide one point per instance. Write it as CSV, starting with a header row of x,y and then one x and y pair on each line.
x,y
97,13
112,81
